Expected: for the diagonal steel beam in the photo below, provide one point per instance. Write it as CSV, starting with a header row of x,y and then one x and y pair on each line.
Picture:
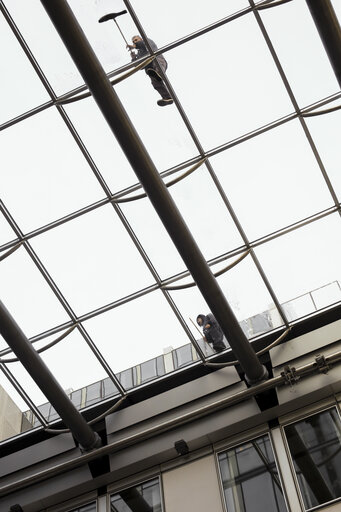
x,y
113,111
328,27
31,360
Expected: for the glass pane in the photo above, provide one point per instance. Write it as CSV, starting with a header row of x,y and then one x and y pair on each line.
x,y
93,260
303,261
327,295
325,130
76,398
315,446
26,382
163,132
205,213
101,144
222,81
250,478
183,356
145,223
93,393
126,378
150,370
315,79
261,177
17,77
246,294
135,332
27,295
145,496
6,233
47,177
109,388
63,366
183,17
52,56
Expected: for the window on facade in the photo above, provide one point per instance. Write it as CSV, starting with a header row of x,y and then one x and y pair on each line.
x,y
144,497
250,478
315,446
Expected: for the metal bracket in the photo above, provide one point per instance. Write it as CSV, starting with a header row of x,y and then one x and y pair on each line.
x,y
321,364
290,375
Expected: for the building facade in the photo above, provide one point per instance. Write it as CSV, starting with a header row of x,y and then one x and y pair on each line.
x,y
204,441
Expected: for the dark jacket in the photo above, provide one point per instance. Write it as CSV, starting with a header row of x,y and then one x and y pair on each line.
x,y
142,51
213,333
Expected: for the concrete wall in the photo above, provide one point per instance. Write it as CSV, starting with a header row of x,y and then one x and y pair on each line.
x,y
193,486
10,416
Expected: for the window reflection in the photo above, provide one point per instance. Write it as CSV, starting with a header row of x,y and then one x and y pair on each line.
x,y
140,498
250,478
315,446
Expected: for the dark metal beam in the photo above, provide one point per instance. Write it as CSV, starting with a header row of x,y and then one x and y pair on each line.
x,y
31,360
329,29
130,142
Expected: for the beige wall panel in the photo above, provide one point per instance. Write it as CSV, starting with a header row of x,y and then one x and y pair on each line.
x,y
193,486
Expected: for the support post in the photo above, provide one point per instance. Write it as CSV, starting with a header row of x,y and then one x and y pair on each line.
x,y
329,29
113,111
35,366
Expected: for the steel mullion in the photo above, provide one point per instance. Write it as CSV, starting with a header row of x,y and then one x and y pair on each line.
x,y
295,104
25,115
116,117
125,223
23,394
106,189
248,245
249,11
88,316
62,300
182,275
156,276
217,183
25,48
170,171
108,193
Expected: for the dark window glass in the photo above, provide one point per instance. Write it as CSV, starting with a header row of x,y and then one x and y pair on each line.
x,y
126,378
76,398
160,365
109,387
44,409
140,498
93,393
315,446
148,370
183,356
250,478
53,414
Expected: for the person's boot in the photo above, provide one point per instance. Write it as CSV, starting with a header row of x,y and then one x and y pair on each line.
x,y
164,102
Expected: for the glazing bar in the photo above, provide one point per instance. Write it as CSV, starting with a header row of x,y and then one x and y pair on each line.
x,y
107,100
40,373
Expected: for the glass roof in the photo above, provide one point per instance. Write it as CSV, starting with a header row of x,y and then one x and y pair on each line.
x,y
243,80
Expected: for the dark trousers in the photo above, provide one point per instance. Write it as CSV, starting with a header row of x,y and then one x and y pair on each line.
x,y
159,85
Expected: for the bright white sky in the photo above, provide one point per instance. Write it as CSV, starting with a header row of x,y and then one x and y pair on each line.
x,y
228,85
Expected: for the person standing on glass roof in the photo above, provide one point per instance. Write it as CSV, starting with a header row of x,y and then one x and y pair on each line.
x,y
151,68
212,331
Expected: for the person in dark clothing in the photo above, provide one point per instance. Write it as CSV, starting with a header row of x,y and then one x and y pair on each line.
x,y
212,331
151,68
